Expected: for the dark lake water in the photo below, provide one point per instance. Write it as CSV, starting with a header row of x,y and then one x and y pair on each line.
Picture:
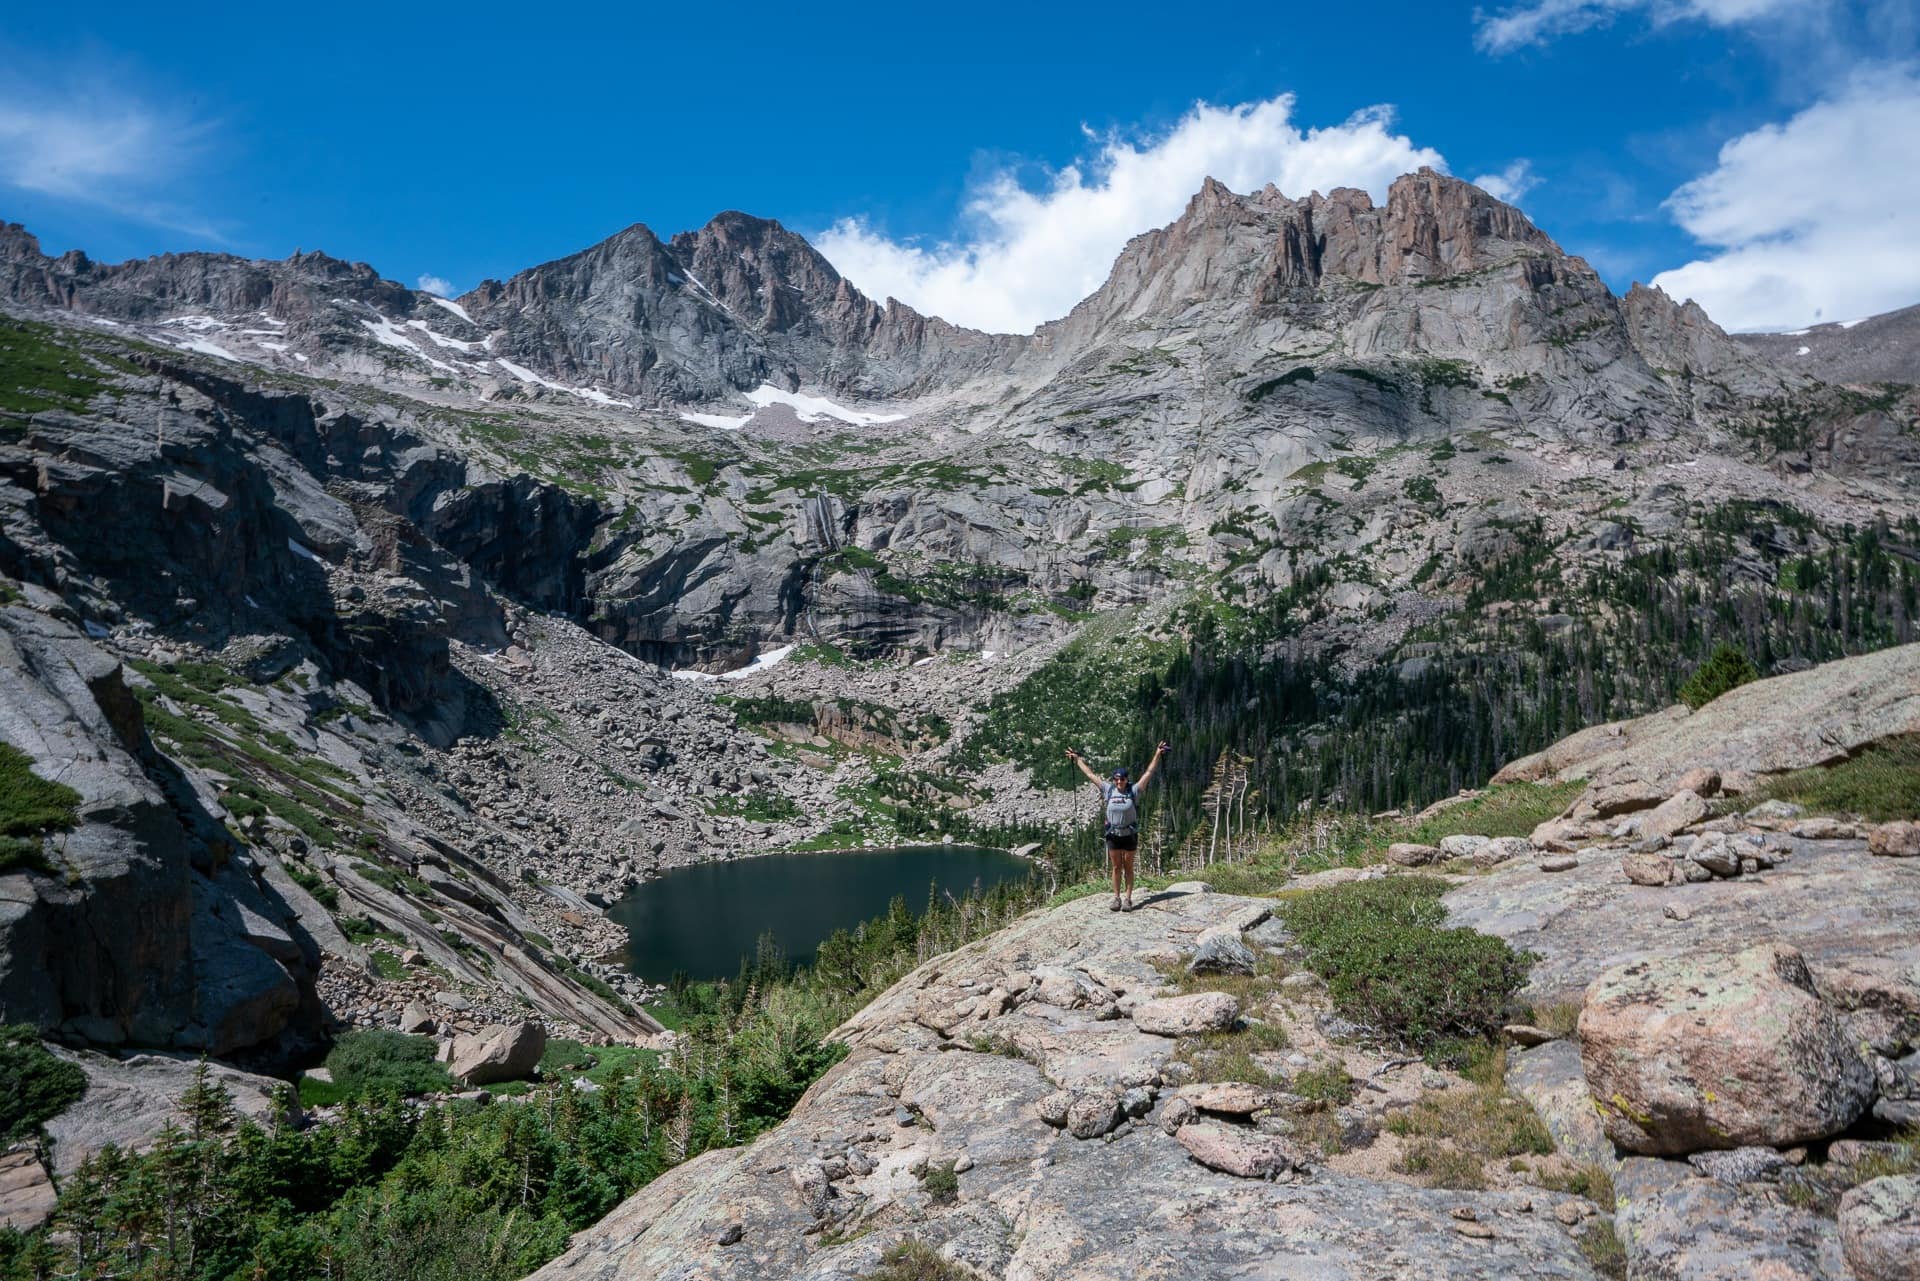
x,y
703,919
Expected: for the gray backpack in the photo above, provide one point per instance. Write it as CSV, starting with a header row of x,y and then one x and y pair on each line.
x,y
1123,810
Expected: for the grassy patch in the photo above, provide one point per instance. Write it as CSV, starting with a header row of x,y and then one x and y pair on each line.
x,y
1881,784
30,807
1388,960
1456,1132
1327,1081
39,371
1590,1181
1602,1248
1514,809
915,1261
1230,1056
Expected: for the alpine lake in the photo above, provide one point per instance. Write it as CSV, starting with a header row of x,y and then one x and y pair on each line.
x,y
703,920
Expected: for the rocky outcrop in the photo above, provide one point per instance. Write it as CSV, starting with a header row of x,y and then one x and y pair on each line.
x,y
187,946
1702,1051
131,1098
830,1189
1679,1225
1813,717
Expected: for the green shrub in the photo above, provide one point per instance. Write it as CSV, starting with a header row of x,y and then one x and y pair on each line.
x,y
941,1181
313,883
34,1085
1726,668
382,1062
1389,961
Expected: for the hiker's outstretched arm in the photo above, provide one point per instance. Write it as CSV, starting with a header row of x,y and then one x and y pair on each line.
x,y
1146,775
1075,758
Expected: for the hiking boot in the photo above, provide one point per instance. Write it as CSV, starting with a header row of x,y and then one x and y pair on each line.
x,y
1115,905
1129,904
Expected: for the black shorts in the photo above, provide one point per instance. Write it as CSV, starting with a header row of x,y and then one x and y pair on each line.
x,y
1129,842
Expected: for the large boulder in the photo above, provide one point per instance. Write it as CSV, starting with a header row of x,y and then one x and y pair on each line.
x,y
1880,1229
1245,1154
1686,1053
1187,1015
503,1052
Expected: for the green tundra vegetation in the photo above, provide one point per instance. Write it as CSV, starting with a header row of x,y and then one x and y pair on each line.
x,y
30,807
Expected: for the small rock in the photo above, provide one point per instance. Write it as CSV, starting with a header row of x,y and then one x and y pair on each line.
x,y
1176,1114
1741,1165
1775,812
1220,951
1526,1034
1824,829
903,1116
1652,845
1559,863
1647,869
1715,853
730,1235
1093,1114
1462,846
1473,1228
1053,1108
1700,780
1503,849
1677,912
963,1163
1230,1098
1894,840
1570,1212
1302,981
1137,1101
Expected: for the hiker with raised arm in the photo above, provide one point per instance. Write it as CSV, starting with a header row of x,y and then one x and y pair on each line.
x,y
1120,802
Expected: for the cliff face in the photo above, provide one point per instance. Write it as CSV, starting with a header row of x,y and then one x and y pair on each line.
x,y
152,926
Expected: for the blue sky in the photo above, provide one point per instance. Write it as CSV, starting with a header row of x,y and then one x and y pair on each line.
x,y
983,162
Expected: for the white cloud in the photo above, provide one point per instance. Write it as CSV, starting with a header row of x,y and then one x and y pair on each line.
x,y
1814,219
1031,255
1541,21
438,286
1511,183
99,147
